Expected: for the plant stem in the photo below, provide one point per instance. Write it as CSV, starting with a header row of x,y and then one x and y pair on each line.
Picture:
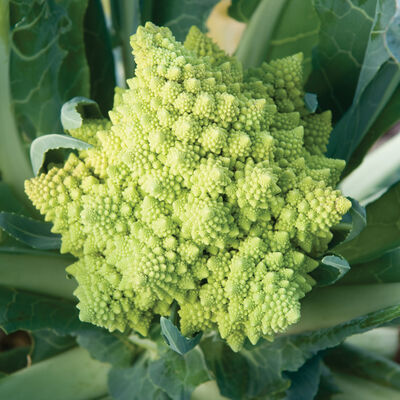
x,y
330,306
254,44
40,274
14,165
126,19
146,344
70,375
206,391
379,170
352,387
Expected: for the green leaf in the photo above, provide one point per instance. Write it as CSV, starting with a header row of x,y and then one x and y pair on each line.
x,y
14,165
29,311
180,15
33,233
12,246
352,223
383,43
261,367
98,47
14,359
48,61
174,338
114,348
34,312
47,343
338,57
74,111
242,10
43,144
292,29
364,364
331,269
179,375
70,375
305,381
382,232
9,202
297,31
311,102
384,269
352,128
358,219
230,368
379,77
387,119
327,385
134,383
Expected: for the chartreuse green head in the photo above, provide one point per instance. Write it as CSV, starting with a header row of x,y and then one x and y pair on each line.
x,y
208,187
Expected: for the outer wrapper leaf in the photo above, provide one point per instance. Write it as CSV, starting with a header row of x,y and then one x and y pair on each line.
x,y
174,338
387,119
134,383
379,77
33,312
382,232
33,233
48,62
384,269
242,10
43,144
179,375
180,15
338,57
258,370
331,269
14,166
294,29
46,343
74,111
305,381
170,376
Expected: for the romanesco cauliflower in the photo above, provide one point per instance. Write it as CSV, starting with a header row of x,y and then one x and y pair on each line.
x,y
208,188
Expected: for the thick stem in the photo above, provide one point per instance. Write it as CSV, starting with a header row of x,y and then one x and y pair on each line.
x,y
14,164
40,274
330,306
254,44
130,20
352,387
70,375
379,170
206,391
146,344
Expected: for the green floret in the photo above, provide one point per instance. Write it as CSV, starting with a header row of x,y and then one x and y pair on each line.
x,y
208,188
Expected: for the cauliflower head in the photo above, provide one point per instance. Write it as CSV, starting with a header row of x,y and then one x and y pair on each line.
x,y
207,187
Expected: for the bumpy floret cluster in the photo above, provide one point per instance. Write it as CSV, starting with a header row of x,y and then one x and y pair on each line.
x,y
208,188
